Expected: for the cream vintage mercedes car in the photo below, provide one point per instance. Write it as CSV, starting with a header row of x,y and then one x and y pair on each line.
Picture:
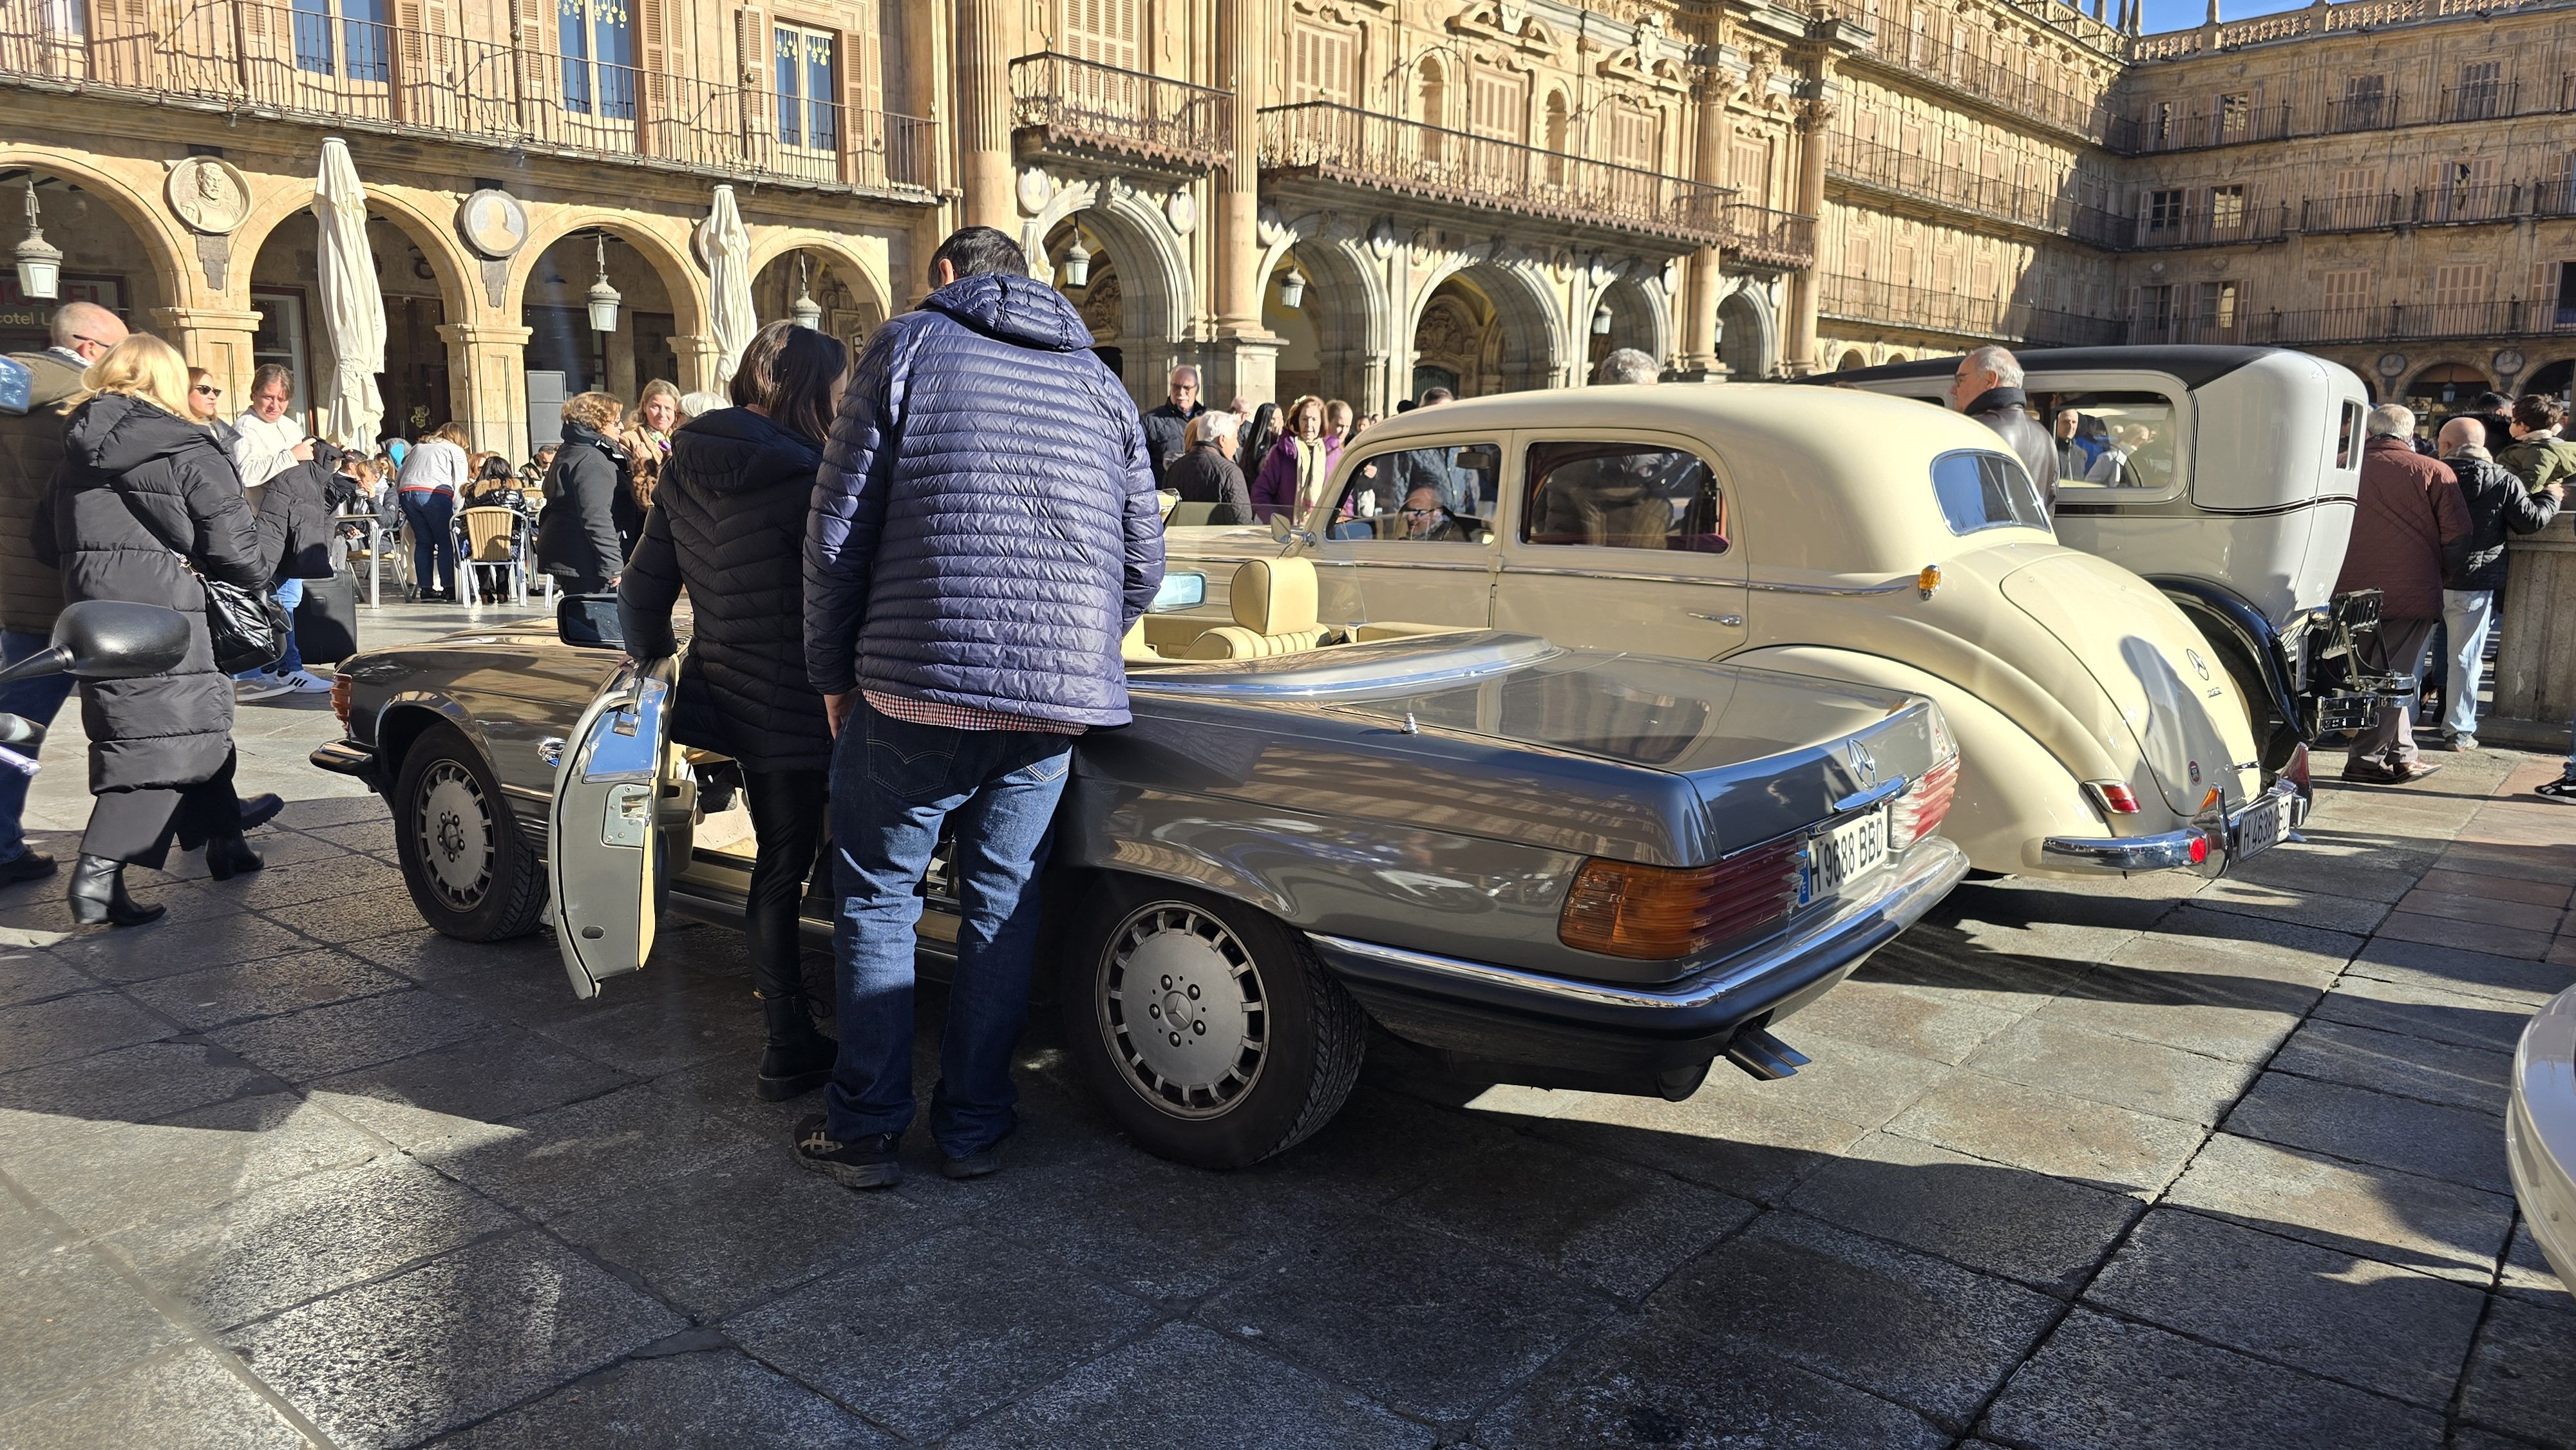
x,y
1824,532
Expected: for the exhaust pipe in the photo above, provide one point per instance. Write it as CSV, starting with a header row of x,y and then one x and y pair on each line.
x,y
1763,1057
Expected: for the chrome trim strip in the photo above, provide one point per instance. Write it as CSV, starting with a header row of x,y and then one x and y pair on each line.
x,y
1896,586
1502,654
1863,799
1551,571
1923,876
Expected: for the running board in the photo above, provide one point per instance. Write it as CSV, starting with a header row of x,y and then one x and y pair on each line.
x,y
1764,1057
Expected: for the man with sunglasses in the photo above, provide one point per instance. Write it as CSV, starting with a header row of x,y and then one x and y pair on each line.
x,y
31,445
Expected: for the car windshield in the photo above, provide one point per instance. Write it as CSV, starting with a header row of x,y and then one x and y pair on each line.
x,y
1982,490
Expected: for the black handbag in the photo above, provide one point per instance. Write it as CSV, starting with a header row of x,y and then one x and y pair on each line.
x,y
247,627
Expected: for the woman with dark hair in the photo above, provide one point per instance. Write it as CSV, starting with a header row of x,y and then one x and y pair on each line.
x,y
728,526
577,534
1253,449
1292,477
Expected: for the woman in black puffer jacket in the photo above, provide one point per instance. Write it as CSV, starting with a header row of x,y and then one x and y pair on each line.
x,y
728,525
146,496
577,533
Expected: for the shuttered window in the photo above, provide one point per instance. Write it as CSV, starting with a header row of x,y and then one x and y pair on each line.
x,y
1636,138
1102,31
2458,284
1321,64
1499,106
2347,292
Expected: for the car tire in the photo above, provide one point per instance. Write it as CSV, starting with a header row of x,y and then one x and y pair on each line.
x,y
1148,956
467,864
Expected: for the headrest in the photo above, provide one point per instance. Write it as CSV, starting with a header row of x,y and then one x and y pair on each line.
x,y
1274,596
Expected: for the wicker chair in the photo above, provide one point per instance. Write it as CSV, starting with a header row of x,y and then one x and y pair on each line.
x,y
491,541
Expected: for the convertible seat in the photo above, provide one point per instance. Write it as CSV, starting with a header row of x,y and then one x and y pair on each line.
x,y
1274,613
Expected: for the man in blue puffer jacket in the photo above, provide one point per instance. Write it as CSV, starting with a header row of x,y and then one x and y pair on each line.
x,y
984,531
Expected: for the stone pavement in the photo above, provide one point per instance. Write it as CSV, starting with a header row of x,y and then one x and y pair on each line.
x,y
2157,1163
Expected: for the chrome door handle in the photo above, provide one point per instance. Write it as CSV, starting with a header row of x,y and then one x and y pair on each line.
x,y
1729,620
550,750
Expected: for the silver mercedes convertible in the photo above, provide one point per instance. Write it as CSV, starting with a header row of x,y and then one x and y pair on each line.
x,y
1547,865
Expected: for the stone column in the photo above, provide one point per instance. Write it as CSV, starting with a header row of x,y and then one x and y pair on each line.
x,y
1246,356
487,382
1707,277
985,30
2535,670
217,339
1798,357
697,357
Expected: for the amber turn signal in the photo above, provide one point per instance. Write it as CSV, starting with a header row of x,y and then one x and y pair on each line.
x,y
1928,580
340,699
1657,913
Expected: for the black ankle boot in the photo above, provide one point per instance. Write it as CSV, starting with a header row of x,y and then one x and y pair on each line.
x,y
230,856
98,895
799,1056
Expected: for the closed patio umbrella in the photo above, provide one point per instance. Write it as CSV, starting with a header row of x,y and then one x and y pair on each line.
x,y
725,245
353,304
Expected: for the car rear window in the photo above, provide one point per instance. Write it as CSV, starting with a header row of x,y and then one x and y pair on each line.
x,y
1980,490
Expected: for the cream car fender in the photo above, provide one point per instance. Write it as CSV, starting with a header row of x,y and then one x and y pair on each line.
x,y
2012,792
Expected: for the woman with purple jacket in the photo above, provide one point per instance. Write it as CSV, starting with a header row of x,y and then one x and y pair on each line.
x,y
1293,476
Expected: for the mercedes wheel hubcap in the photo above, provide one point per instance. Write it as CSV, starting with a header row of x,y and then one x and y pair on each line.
x,y
1182,1007
454,829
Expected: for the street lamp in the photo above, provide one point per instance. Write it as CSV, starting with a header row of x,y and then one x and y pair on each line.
x,y
1292,289
1077,262
805,312
40,262
603,298
1601,320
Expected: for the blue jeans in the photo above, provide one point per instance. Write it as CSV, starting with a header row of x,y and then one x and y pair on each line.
x,y
432,516
289,594
39,700
894,784
2467,614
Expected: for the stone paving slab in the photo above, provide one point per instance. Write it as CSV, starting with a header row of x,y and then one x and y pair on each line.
x,y
2137,1163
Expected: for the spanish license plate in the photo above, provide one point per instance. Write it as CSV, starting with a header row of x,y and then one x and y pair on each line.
x,y
2262,827
1842,855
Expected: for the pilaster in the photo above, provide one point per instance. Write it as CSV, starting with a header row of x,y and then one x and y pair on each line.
x,y
217,339
487,372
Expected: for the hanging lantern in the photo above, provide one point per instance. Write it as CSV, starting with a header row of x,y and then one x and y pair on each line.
x,y
1077,262
1292,289
805,312
1601,320
603,298
40,262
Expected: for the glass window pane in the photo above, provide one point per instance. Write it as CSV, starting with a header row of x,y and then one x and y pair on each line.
x,y
821,92
2124,440
613,49
1986,491
1442,494
313,49
791,90
572,37
363,31
1623,496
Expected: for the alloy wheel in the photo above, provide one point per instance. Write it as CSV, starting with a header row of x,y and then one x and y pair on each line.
x,y
1181,1005
452,833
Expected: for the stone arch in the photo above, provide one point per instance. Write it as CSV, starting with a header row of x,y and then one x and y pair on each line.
x,y
2448,382
1346,304
769,243
675,262
1534,344
1852,358
1153,270
456,272
1748,343
1640,317
2556,378
168,246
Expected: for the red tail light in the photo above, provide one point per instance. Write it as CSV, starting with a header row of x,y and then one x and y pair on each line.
x,y
1655,913
2114,797
1920,811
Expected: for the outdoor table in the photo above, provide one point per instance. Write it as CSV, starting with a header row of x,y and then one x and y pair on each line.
x,y
375,552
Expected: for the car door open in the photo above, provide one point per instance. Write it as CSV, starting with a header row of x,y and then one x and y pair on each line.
x,y
621,792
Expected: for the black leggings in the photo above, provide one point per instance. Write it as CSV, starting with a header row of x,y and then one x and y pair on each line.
x,y
135,826
787,808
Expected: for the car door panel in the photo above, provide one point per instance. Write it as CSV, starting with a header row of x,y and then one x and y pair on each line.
x,y
1598,595
622,805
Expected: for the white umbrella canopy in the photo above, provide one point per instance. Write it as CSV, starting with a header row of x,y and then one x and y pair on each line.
x,y
353,303
725,244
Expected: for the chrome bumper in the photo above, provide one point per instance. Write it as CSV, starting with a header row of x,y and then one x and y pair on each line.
x,y
2206,845
346,757
1507,1013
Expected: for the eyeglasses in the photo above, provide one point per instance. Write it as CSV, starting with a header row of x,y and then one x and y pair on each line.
x,y
92,341
207,390
1422,513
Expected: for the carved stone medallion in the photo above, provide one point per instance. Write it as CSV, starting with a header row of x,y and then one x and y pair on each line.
x,y
493,223
209,194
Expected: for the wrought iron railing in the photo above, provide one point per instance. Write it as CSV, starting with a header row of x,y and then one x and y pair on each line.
x,y
2312,20
2396,322
2370,111
2362,213
2197,130
1765,237
1874,164
1366,149
2210,225
1908,47
1083,105
1956,314
235,55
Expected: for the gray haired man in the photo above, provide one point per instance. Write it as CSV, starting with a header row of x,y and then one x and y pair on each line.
x,y
1626,365
1987,387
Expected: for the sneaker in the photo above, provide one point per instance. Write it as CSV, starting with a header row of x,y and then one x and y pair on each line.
x,y
868,1163
26,866
2561,789
983,1161
2460,742
304,683
261,688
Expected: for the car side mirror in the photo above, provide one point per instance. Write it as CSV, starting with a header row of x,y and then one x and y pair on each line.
x,y
589,621
1185,590
109,639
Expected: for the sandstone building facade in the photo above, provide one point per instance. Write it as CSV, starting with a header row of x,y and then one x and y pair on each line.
x,y
1357,198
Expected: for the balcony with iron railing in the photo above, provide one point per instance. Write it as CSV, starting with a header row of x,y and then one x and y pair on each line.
x,y
1897,44
2364,213
2369,326
2193,131
1078,109
2213,226
1363,150
1876,303
1903,175
2376,111
2152,130
1760,236
2354,15
241,58
2466,204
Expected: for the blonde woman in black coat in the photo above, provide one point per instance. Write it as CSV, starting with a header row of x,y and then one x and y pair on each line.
x,y
146,503
728,526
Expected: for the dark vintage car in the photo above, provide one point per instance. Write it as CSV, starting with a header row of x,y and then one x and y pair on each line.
x,y
1555,865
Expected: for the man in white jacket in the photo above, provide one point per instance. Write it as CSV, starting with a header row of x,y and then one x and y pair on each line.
x,y
268,443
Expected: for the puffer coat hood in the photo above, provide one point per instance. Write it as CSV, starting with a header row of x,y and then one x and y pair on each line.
x,y
141,489
728,526
984,527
